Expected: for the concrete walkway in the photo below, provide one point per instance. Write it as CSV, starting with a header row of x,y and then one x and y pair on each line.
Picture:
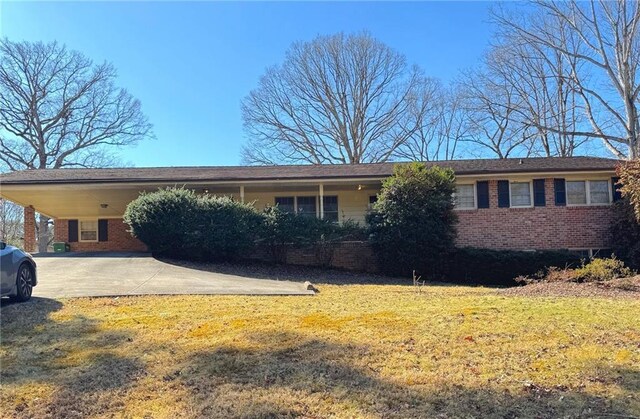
x,y
111,274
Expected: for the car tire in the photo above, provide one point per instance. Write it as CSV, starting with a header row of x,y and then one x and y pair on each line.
x,y
24,283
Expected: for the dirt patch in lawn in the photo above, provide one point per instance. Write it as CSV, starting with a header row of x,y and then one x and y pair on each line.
x,y
618,288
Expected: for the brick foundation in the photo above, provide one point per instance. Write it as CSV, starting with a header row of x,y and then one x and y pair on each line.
x,y
30,229
119,239
351,256
548,227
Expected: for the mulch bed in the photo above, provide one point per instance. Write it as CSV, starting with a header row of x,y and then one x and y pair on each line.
x,y
609,289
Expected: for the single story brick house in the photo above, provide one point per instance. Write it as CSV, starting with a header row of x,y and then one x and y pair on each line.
x,y
524,204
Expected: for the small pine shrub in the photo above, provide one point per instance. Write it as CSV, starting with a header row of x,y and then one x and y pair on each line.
x,y
602,270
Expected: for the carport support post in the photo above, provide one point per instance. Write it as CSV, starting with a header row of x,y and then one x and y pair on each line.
x,y
321,190
29,234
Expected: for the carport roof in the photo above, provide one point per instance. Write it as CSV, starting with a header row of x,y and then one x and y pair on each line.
x,y
291,172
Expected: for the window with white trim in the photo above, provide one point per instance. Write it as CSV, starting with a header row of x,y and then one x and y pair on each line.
x,y
588,192
520,194
88,230
464,197
598,191
576,192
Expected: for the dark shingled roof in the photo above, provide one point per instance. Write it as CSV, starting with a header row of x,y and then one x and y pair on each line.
x,y
256,173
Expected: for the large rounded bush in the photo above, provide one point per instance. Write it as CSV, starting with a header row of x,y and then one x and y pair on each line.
x,y
412,224
179,223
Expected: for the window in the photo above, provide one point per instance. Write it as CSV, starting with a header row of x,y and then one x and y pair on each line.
x,y
599,192
464,197
286,204
576,193
307,206
592,192
593,253
88,231
330,207
601,253
520,194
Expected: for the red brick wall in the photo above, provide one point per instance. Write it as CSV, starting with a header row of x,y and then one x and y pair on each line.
x,y
29,229
120,240
548,227
352,256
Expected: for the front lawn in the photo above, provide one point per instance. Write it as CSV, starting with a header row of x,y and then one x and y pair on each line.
x,y
350,351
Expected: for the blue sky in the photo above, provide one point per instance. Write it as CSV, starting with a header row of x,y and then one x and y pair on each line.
x,y
192,63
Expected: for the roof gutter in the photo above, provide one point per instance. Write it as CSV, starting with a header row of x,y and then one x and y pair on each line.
x,y
262,181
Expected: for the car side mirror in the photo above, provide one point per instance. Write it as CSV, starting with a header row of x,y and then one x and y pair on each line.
x,y
3,245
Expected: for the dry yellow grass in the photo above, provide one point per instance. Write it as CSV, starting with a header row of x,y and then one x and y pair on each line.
x,y
351,351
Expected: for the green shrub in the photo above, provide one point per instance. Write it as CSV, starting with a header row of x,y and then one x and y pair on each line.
x,y
225,229
502,267
602,270
412,225
280,230
625,230
161,219
178,223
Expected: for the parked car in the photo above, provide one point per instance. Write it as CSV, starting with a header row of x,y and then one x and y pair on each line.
x,y
17,273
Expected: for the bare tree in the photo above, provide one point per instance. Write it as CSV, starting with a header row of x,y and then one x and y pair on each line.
x,y
489,103
336,99
10,222
58,109
441,126
601,40
546,96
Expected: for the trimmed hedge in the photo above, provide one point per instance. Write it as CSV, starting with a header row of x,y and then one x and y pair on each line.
x,y
178,223
500,267
280,229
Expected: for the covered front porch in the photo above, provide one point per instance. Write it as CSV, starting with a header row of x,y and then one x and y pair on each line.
x,y
90,215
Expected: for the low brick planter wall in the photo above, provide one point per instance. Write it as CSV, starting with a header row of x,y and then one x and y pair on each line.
x,y
351,255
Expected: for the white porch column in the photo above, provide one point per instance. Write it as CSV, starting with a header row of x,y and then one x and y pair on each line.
x,y
242,194
321,201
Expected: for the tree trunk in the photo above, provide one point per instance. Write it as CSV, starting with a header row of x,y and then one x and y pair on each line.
x,y
43,234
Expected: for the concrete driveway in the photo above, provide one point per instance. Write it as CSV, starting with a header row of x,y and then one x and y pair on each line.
x,y
111,274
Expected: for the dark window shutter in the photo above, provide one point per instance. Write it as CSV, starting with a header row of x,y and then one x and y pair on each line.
x,y
538,193
482,190
73,231
617,194
503,194
560,192
103,230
